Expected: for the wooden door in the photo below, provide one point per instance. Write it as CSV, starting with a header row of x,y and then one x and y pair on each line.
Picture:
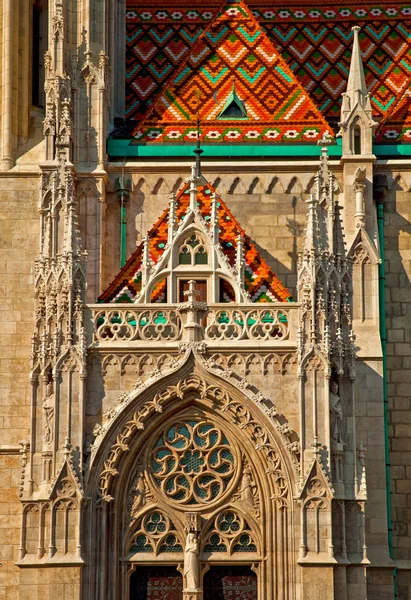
x,y
230,583
200,285
156,583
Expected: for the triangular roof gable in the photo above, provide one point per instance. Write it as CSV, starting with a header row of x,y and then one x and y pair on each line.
x,y
260,282
233,48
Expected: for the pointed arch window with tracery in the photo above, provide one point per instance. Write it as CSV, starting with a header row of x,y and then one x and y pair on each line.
x,y
193,488
193,251
155,533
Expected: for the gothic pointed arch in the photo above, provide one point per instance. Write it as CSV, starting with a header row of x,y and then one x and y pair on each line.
x,y
145,406
193,453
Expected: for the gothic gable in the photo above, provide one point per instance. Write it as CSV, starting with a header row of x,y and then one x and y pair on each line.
x,y
260,284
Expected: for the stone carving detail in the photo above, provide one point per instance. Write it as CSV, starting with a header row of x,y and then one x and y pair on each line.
x,y
141,365
140,495
165,324
152,325
191,564
48,412
247,492
336,413
256,324
235,409
325,277
231,534
155,533
192,462
244,364
360,255
193,250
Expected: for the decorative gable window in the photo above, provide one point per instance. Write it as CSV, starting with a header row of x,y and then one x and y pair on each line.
x,y
193,251
234,108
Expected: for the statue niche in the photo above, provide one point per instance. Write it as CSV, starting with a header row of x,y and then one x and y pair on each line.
x,y
336,411
48,413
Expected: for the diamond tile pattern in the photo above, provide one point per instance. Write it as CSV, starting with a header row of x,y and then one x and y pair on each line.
x,y
232,51
314,39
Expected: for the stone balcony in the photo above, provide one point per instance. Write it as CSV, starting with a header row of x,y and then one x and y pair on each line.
x,y
155,326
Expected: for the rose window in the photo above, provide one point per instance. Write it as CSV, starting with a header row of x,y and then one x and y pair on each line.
x,y
192,463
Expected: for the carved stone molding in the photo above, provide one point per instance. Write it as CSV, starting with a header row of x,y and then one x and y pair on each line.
x,y
238,412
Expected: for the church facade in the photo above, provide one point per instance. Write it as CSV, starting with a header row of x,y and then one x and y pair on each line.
x,y
205,365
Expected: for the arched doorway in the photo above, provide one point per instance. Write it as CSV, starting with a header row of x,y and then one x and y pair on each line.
x,y
202,492
230,583
156,583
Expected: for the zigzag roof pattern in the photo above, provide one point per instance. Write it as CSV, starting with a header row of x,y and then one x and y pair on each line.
x,y
314,39
232,51
396,126
260,282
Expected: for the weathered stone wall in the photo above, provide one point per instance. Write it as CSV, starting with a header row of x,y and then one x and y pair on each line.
x,y
48,584
19,241
398,310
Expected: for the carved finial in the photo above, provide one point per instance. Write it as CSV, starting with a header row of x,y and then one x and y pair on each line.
x,y
326,140
191,293
356,108
193,189
146,263
359,187
67,449
312,233
214,228
171,218
240,260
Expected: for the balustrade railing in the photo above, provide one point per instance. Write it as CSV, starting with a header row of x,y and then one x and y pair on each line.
x,y
131,324
221,323
247,324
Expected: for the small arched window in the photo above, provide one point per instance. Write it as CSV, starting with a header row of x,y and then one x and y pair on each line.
x,y
357,139
193,251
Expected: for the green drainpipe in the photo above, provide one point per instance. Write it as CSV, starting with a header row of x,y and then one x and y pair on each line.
x,y
123,233
379,194
123,187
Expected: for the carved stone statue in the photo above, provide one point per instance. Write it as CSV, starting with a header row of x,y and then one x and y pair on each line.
x,y
48,412
139,494
191,561
247,488
336,413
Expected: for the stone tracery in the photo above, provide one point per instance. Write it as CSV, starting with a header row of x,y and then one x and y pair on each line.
x,y
192,462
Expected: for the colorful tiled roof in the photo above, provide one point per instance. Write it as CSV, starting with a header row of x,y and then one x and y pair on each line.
x,y
232,51
260,281
313,37
396,126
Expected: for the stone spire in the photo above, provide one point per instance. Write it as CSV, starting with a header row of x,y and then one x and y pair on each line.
x,y
357,125
356,87
323,271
